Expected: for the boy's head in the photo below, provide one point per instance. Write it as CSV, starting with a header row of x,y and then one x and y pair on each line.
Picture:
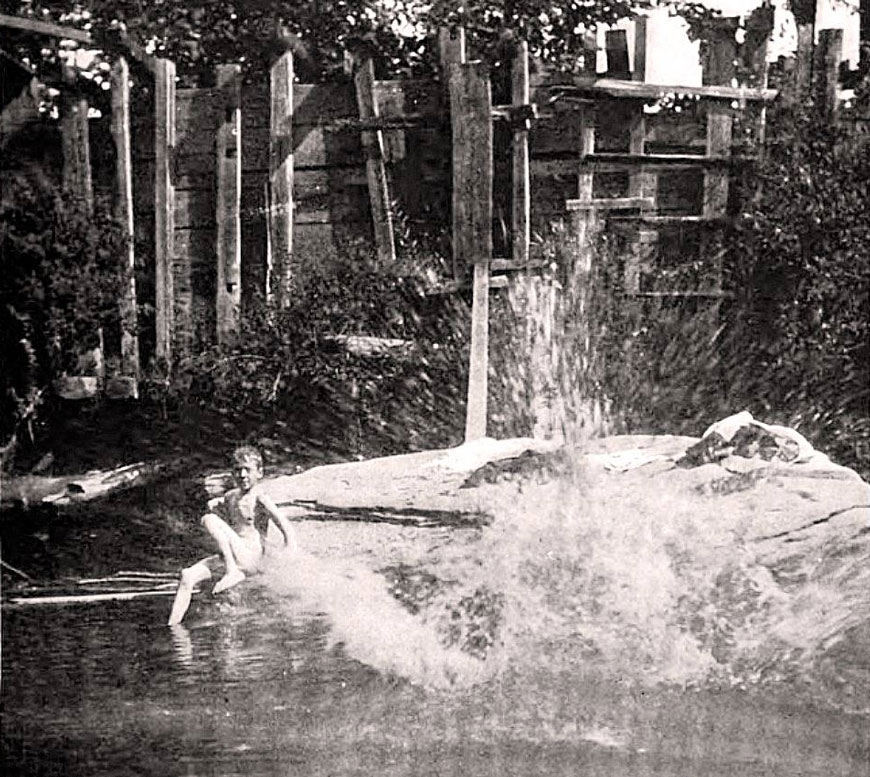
x,y
247,466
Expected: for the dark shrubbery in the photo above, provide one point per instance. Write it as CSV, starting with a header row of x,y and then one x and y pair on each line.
x,y
311,368
61,270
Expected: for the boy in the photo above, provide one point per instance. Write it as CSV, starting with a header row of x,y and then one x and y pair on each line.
x,y
237,522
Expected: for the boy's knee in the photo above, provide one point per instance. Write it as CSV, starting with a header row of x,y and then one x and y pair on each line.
x,y
209,518
188,577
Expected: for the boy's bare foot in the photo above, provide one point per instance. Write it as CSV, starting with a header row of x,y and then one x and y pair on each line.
x,y
228,581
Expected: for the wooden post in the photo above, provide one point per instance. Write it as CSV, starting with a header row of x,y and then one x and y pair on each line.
x,y
638,72
471,120
641,182
805,17
120,80
827,69
584,218
164,206
522,203
719,70
280,205
75,139
451,50
228,202
376,170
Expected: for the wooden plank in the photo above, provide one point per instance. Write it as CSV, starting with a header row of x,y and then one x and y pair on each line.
x,y
616,47
120,82
48,29
472,165
75,140
228,243
280,267
638,72
717,160
522,204
581,86
478,366
803,63
828,55
584,221
470,113
164,205
376,171
611,203
451,50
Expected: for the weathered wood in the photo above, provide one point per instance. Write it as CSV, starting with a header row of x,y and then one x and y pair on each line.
x,y
828,55
451,50
48,29
616,46
376,171
228,218
120,82
470,108
638,72
164,206
803,61
611,203
470,113
478,365
584,221
581,86
75,139
522,204
280,270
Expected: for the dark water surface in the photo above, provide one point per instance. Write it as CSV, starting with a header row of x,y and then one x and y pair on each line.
x,y
107,689
324,672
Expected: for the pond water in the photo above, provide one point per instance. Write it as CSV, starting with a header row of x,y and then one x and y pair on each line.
x,y
324,671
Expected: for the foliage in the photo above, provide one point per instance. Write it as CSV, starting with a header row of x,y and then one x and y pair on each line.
x,y
62,272
200,35
802,265
294,364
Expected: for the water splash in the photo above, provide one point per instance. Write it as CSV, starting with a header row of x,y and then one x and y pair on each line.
x,y
372,626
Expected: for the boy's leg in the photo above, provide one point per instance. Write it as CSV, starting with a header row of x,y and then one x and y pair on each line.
x,y
232,547
190,578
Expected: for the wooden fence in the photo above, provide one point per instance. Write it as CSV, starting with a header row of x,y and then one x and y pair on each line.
x,y
236,190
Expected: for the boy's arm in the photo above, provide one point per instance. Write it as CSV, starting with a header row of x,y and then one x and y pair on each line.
x,y
280,521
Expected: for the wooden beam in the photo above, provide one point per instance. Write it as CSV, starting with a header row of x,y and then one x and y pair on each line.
x,y
611,203
228,215
451,50
521,176
47,29
638,72
470,113
827,69
376,170
164,207
280,270
120,81
612,87
75,140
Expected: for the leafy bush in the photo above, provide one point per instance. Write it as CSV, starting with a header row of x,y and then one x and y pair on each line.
x,y
303,367
62,270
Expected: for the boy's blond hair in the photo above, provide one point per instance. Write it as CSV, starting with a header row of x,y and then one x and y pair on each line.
x,y
245,454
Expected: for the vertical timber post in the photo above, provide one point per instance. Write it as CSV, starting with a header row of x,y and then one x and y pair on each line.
x,y
120,80
75,139
471,120
451,51
826,69
228,202
164,206
376,170
522,203
280,273
641,183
